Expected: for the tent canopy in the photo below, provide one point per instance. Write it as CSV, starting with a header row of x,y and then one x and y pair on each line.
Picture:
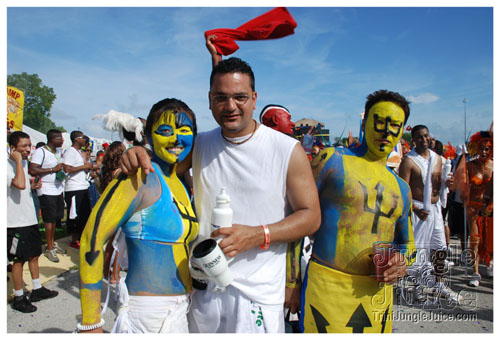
x,y
37,136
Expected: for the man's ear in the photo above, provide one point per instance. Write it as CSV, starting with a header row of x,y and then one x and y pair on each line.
x,y
274,119
209,101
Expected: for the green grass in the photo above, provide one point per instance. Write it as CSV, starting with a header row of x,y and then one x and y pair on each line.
x,y
60,232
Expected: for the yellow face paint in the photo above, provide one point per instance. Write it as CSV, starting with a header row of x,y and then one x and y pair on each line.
x,y
172,136
384,128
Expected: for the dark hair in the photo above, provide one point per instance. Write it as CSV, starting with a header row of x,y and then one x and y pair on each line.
x,y
15,136
87,139
128,135
486,134
233,65
387,96
439,148
39,145
110,163
52,133
168,104
74,135
418,128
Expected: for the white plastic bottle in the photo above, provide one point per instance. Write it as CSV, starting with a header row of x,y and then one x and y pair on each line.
x,y
222,214
447,169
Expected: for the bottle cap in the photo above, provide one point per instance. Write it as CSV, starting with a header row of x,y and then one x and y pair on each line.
x,y
223,198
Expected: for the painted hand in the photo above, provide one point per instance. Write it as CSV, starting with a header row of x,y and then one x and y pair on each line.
x,y
135,158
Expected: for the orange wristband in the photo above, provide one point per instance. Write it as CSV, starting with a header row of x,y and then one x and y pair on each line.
x,y
267,241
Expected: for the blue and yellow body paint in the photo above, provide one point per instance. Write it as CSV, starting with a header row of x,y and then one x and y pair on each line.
x,y
362,202
157,219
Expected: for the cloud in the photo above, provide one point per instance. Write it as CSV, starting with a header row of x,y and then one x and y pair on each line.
x,y
424,98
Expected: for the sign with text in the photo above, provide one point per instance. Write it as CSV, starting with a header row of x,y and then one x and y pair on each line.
x,y
15,106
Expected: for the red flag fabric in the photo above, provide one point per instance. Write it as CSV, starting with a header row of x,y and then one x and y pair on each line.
x,y
449,151
274,24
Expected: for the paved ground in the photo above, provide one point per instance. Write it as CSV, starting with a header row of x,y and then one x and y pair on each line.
x,y
62,313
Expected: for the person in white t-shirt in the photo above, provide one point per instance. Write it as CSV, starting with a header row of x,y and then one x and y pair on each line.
x,y
273,197
24,242
76,189
46,166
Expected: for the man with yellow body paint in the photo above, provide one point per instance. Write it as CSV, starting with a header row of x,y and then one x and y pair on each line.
x,y
155,214
362,202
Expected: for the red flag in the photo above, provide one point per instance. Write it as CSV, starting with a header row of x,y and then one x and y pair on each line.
x,y
276,23
449,151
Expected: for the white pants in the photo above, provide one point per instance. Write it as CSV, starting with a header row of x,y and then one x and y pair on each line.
x,y
429,234
151,314
232,312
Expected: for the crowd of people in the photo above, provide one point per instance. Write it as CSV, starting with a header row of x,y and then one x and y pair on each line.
x,y
306,218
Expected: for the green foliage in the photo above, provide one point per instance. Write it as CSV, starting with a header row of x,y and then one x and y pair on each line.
x,y
407,137
38,100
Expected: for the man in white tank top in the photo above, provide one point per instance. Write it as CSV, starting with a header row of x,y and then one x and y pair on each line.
x,y
273,197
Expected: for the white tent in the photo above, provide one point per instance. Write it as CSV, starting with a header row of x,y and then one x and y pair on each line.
x,y
37,136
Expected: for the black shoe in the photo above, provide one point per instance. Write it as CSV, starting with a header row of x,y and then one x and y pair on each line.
x,y
22,304
42,294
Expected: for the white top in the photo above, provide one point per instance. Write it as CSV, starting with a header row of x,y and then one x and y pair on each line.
x,y
254,175
46,160
76,180
20,205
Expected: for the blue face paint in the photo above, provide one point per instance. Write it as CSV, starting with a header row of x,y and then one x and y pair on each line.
x,y
172,137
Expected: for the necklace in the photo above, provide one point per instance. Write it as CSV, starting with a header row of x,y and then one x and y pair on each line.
x,y
243,141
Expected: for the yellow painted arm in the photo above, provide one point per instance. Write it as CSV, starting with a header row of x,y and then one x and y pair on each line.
x,y
293,252
117,203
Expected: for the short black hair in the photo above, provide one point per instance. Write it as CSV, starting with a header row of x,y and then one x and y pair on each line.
x,y
74,134
39,145
52,133
439,148
387,96
233,65
15,136
418,128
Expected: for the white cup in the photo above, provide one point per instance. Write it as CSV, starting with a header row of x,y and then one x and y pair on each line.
x,y
209,257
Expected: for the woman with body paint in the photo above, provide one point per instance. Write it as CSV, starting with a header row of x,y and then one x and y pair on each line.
x,y
480,202
155,213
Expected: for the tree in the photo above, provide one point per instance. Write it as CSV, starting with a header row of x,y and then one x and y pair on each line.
x,y
407,137
38,100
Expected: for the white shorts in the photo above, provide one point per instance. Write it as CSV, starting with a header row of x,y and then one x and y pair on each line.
x,y
151,314
429,234
232,312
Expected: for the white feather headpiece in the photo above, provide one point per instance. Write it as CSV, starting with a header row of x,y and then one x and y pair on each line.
x,y
115,121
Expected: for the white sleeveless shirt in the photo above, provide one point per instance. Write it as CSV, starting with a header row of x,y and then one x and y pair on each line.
x,y
254,175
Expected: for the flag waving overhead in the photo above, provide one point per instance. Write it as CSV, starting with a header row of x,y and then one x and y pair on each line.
x,y
274,24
